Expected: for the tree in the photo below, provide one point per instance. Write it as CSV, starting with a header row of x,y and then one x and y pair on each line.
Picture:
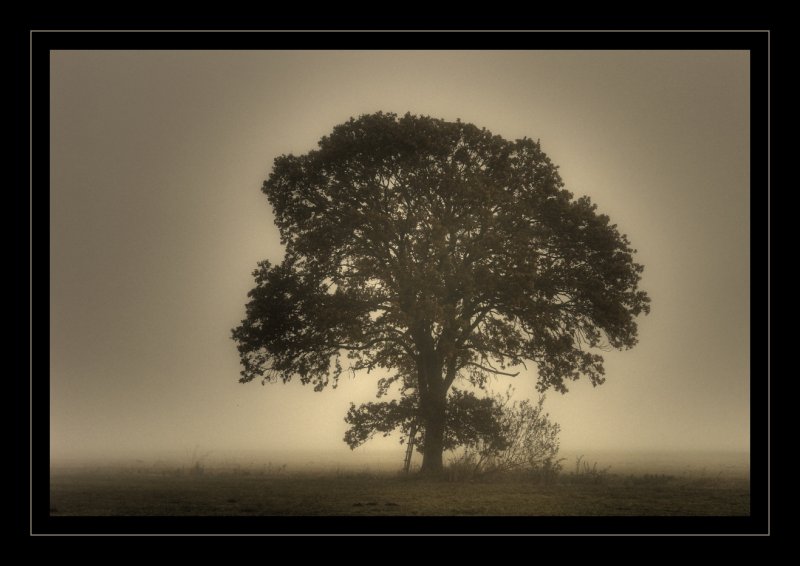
x,y
437,251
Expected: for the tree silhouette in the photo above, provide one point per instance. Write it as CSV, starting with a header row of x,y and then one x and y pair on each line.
x,y
437,251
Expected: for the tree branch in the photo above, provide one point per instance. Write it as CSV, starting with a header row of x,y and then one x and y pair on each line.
x,y
491,370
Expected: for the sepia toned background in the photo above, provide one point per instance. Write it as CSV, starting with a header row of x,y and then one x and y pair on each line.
x,y
157,221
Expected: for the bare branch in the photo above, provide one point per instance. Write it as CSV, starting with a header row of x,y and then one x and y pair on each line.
x,y
492,370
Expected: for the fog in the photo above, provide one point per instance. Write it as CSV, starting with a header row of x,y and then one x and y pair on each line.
x,y
690,463
157,221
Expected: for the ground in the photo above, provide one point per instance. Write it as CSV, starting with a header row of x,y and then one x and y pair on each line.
x,y
245,493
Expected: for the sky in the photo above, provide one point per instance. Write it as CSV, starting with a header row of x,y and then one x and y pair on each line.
x,y
157,221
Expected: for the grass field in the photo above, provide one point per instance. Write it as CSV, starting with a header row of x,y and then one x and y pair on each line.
x,y
226,493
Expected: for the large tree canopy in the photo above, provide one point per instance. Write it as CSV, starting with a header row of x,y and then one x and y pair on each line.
x,y
437,251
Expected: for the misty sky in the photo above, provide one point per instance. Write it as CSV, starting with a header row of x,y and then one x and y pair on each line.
x,y
157,221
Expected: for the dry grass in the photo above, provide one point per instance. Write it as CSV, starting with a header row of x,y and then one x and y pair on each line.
x,y
123,493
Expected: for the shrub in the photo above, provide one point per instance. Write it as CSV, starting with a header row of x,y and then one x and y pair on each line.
x,y
526,441
584,473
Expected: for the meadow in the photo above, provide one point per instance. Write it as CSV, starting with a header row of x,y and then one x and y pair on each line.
x,y
278,492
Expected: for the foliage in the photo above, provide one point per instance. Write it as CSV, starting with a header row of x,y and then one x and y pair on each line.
x,y
437,251
469,419
528,441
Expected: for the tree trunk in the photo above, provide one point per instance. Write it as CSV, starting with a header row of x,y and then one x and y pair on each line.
x,y
434,419
432,399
